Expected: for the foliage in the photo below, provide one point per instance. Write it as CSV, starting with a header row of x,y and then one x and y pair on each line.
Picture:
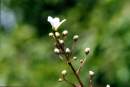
x,y
26,57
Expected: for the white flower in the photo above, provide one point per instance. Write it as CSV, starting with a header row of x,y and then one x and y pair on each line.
x,y
91,73
55,22
107,85
64,72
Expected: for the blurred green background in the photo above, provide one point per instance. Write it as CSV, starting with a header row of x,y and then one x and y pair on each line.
x,y
26,51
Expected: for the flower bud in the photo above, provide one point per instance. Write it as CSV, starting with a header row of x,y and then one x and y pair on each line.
x,y
67,50
64,72
65,32
91,73
107,85
75,58
75,37
61,41
60,79
56,50
81,61
57,34
50,34
87,50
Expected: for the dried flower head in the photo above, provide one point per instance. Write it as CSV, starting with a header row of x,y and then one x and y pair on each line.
x,y
55,22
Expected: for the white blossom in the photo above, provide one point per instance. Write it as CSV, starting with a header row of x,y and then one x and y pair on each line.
x,y
55,22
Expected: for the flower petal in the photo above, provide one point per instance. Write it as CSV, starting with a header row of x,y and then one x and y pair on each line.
x,y
56,19
62,21
49,19
55,22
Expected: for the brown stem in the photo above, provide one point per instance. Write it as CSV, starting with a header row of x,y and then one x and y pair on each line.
x,y
77,76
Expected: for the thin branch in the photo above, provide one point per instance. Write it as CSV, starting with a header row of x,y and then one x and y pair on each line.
x,y
81,65
74,71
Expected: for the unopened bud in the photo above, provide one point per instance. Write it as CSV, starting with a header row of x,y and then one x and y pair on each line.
x,y
81,61
60,79
64,72
87,50
75,37
67,50
56,50
50,34
91,73
107,85
75,58
65,32
61,41
57,34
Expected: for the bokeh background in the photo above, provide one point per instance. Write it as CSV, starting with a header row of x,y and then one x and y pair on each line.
x,y
26,51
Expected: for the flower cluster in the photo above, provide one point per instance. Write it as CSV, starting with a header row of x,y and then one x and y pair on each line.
x,y
66,54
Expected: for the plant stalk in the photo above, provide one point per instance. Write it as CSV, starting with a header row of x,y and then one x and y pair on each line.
x,y
77,76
